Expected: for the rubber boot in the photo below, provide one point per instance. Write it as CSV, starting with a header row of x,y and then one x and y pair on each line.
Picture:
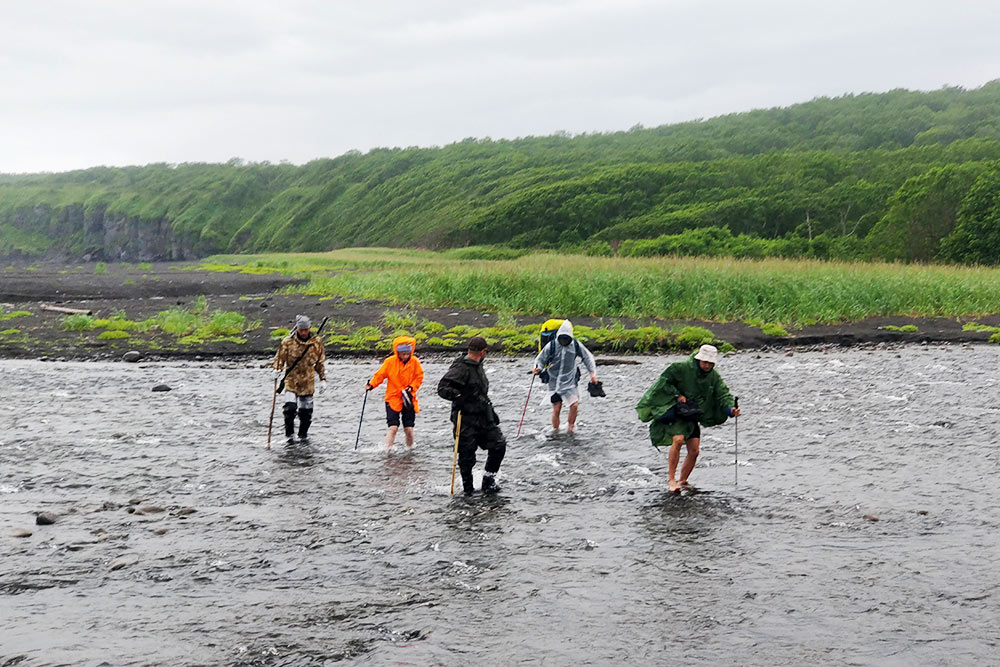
x,y
288,409
467,481
490,485
305,419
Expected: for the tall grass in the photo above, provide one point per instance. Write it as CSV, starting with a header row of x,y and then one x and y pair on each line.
x,y
772,290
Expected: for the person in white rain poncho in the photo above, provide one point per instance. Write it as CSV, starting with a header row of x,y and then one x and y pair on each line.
x,y
558,360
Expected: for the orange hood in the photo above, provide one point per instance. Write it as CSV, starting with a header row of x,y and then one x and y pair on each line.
x,y
404,340
398,376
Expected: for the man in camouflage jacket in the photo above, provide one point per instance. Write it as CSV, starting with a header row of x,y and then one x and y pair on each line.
x,y
303,353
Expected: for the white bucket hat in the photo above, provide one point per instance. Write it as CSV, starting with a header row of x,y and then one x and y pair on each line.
x,y
708,353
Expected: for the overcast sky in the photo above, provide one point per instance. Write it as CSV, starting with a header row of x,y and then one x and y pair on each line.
x,y
118,82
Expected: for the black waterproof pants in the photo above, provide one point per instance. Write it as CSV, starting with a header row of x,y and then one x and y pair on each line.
x,y
473,438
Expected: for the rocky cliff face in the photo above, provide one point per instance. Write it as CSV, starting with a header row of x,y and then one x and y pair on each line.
x,y
72,233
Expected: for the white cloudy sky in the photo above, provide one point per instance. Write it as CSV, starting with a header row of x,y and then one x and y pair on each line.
x,y
136,81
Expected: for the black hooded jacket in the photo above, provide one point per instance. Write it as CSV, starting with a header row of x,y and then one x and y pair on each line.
x,y
466,386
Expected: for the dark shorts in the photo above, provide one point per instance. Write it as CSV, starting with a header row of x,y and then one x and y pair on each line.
x,y
392,417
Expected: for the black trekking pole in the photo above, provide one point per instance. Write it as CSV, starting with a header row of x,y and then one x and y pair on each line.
x,y
363,404
736,443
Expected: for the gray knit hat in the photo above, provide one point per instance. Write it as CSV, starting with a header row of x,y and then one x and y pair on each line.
x,y
302,322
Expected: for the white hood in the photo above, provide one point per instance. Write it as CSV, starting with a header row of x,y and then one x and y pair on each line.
x,y
566,328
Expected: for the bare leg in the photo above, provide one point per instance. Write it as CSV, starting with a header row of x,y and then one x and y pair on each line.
x,y
408,433
390,436
572,417
672,459
556,409
693,449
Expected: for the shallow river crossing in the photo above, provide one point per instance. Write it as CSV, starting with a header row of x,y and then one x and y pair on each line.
x,y
312,553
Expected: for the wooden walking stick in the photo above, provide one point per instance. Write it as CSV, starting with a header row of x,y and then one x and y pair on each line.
x,y
454,461
270,422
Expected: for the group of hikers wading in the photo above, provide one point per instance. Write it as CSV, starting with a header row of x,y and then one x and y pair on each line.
x,y
688,395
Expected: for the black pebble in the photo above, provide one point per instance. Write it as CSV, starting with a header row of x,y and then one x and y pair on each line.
x,y
162,387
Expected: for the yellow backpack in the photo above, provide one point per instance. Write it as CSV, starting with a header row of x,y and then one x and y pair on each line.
x,y
548,332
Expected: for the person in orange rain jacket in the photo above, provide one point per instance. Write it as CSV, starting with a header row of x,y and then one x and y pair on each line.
x,y
403,375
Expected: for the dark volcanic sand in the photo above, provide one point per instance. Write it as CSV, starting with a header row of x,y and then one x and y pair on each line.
x,y
143,293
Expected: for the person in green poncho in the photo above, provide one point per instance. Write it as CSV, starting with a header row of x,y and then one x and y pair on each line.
x,y
689,394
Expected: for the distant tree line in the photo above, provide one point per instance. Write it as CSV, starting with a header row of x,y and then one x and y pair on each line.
x,y
900,176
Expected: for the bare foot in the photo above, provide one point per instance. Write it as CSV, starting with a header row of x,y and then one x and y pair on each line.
x,y
569,429
673,486
683,484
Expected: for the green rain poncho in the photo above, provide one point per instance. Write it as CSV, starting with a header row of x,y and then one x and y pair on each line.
x,y
684,378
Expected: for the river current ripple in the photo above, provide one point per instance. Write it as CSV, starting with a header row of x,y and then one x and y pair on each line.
x,y
312,554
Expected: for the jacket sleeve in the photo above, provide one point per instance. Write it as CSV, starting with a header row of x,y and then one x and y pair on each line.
x,y
452,384
280,357
588,358
321,360
380,374
658,398
544,357
418,376
724,399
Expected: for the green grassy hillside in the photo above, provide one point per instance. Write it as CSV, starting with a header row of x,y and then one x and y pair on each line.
x,y
874,176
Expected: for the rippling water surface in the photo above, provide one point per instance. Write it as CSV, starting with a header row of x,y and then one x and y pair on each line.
x,y
313,553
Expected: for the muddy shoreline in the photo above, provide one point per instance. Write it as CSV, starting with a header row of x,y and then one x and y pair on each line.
x,y
141,291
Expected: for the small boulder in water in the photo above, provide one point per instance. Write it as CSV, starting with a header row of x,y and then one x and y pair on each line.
x,y
20,532
162,387
870,517
149,509
119,563
132,356
160,531
45,518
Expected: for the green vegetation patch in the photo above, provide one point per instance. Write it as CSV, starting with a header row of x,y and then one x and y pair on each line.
x,y
976,326
193,322
79,322
11,315
776,330
9,332
906,328
403,319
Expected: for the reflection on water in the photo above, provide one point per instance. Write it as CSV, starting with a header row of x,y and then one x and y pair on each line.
x,y
862,530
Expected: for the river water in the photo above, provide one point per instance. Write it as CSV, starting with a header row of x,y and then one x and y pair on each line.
x,y
312,554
